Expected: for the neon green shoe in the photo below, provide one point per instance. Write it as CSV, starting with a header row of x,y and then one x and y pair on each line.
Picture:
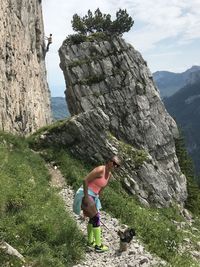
x,y
97,236
101,248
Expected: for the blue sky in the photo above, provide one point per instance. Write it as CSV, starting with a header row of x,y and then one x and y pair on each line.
x,y
166,32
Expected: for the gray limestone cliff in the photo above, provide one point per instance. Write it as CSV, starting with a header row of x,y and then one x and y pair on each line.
x,y
24,92
117,110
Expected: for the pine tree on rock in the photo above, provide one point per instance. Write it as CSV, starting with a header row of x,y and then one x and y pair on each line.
x,y
102,23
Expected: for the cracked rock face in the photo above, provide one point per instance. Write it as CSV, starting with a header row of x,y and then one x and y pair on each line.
x,y
24,92
117,106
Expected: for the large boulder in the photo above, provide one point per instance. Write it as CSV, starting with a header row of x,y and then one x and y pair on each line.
x,y
118,109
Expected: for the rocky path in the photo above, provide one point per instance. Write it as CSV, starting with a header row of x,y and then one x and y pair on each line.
x,y
135,256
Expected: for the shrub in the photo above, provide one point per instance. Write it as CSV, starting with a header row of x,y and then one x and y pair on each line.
x,y
76,39
186,165
102,23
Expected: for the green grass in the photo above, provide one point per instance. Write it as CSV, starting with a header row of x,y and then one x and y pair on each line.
x,y
33,217
154,227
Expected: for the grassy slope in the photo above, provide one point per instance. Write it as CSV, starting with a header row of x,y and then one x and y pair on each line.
x,y
154,226
33,218
29,205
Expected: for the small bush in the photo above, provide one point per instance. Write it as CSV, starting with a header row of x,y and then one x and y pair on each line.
x,y
102,22
75,39
186,165
98,36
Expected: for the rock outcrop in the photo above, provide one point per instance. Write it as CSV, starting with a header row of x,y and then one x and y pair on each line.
x,y
24,92
118,110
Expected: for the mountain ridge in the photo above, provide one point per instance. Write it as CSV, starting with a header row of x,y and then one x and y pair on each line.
x,y
184,107
170,82
59,108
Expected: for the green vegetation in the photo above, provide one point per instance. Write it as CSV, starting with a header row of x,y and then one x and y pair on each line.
x,y
154,227
183,106
33,140
99,27
34,221
76,39
186,165
33,217
138,156
102,23
80,38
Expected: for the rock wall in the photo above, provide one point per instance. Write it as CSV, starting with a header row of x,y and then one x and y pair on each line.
x,y
24,92
110,80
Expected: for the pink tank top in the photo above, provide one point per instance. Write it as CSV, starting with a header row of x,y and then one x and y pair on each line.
x,y
98,183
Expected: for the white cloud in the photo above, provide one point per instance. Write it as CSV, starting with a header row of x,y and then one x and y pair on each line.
x,y
164,19
159,19
156,22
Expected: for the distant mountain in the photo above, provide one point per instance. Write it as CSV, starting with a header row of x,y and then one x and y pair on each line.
x,y
59,108
170,82
184,107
